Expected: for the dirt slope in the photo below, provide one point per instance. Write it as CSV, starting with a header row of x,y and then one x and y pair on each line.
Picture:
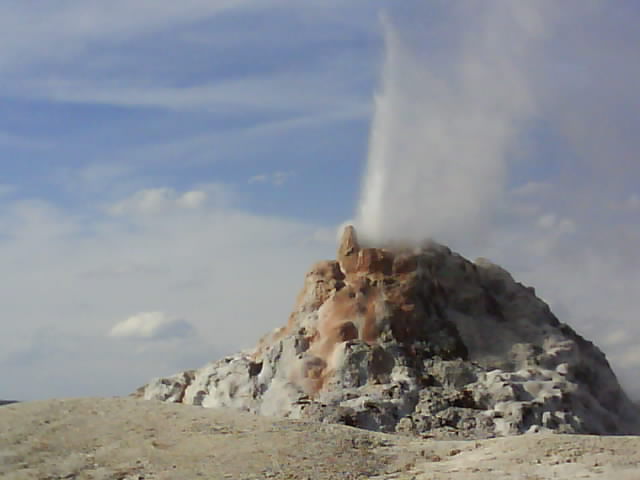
x,y
131,439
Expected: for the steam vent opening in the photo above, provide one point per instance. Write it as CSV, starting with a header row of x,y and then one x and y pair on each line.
x,y
421,341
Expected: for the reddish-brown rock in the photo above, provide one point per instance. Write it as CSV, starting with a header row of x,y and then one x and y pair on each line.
x,y
348,251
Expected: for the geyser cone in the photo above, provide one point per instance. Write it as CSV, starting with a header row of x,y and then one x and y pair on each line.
x,y
417,341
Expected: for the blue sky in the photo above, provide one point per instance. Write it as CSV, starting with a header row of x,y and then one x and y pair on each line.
x,y
221,96
180,165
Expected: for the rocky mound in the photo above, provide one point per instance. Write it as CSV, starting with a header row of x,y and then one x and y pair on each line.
x,y
418,341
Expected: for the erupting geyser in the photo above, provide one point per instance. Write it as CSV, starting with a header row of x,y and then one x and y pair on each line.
x,y
439,142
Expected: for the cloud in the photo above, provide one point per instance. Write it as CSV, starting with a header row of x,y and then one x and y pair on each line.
x,y
633,202
121,60
54,33
96,174
279,92
6,189
151,201
616,337
550,221
630,359
152,326
238,96
262,178
242,142
59,362
530,189
276,179
146,201
21,142
193,199
70,28
547,221
232,274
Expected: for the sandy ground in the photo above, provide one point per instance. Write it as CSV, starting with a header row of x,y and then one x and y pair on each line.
x,y
131,439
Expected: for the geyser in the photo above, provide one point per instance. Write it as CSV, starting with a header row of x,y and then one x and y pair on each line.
x,y
443,125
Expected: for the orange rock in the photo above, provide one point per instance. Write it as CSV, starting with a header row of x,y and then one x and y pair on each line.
x,y
348,250
374,260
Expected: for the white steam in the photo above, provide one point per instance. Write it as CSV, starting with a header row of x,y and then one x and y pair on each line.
x,y
444,126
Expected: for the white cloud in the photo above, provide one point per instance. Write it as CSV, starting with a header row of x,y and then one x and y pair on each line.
x,y
193,199
85,36
56,32
547,221
566,226
6,189
630,359
152,326
279,178
276,178
233,275
68,28
44,366
531,189
217,146
616,337
560,226
21,142
523,209
146,201
162,200
96,174
633,202
301,91
262,178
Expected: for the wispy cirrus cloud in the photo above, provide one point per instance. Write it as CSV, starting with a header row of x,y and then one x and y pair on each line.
x,y
280,92
79,51
158,98
54,32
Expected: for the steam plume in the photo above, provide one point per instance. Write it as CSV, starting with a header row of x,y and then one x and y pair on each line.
x,y
442,129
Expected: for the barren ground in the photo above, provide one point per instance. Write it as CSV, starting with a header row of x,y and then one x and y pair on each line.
x,y
131,439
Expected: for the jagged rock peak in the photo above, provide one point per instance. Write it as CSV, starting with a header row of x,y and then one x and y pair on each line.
x,y
417,341
349,243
